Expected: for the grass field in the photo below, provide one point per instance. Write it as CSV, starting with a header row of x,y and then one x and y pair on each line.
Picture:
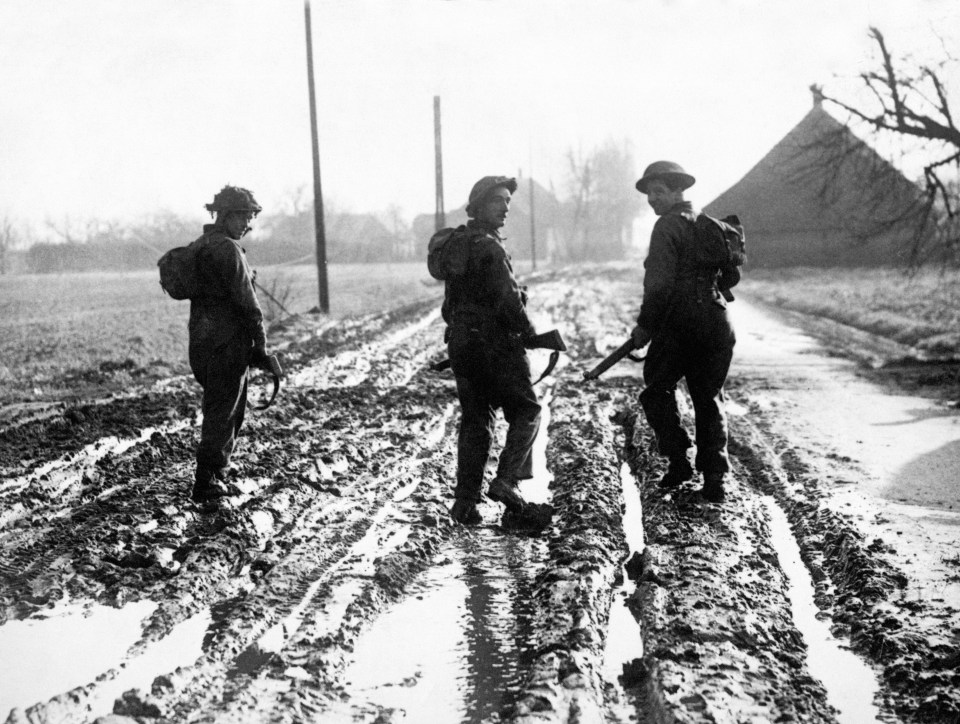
x,y
922,310
79,332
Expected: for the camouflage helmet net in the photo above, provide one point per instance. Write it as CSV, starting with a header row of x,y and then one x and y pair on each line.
x,y
233,198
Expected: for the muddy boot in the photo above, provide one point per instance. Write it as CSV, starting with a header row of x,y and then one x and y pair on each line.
x,y
505,492
713,488
680,471
207,487
465,512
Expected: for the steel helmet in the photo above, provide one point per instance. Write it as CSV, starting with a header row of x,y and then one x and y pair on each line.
x,y
483,187
234,198
664,170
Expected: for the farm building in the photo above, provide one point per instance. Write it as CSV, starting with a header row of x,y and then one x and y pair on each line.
x,y
822,197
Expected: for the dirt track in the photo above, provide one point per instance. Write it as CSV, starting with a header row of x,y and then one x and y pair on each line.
x,y
302,593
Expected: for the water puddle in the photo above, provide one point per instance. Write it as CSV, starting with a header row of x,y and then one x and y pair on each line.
x,y
537,488
451,651
65,647
181,647
851,685
624,639
73,644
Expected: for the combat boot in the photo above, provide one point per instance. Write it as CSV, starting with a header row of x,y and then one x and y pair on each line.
x,y
465,512
506,492
680,471
207,487
713,487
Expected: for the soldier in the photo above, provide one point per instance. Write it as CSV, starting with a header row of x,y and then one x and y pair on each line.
x,y
485,310
226,336
684,318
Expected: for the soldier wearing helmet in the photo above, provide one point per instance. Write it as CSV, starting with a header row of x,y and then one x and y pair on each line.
x,y
226,335
485,310
683,317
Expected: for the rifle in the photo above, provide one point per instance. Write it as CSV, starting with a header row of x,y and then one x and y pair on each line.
x,y
547,340
611,359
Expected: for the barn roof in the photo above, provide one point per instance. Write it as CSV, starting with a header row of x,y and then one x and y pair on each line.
x,y
819,178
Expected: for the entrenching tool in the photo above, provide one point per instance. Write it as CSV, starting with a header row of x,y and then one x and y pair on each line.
x,y
624,350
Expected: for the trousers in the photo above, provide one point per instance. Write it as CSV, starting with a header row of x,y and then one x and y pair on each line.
x,y
492,372
221,371
698,347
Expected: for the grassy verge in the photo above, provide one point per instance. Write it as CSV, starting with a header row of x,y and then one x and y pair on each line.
x,y
922,311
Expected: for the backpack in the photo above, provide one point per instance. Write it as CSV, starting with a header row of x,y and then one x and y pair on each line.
x,y
178,272
448,253
721,244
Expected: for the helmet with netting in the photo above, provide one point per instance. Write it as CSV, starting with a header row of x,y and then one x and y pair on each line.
x,y
234,198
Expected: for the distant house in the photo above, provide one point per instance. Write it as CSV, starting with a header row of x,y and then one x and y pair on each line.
x,y
822,197
546,212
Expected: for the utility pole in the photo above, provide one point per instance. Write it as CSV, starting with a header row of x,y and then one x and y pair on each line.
x,y
440,216
533,222
321,242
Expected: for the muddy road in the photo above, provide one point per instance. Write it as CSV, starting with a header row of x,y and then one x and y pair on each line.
x,y
336,589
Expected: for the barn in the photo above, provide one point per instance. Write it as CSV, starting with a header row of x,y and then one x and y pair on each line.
x,y
822,197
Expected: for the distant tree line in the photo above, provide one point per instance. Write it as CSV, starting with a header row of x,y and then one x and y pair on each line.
x,y
592,223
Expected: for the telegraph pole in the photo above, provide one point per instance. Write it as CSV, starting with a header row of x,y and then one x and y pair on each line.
x,y
533,222
321,241
440,216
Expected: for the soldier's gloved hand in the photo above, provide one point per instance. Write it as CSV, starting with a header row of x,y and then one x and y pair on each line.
x,y
640,336
258,358
527,335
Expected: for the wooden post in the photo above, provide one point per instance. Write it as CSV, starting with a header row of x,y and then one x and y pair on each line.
x,y
440,216
533,227
321,234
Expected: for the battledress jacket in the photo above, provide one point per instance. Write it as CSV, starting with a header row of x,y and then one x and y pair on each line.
x,y
487,297
228,308
672,282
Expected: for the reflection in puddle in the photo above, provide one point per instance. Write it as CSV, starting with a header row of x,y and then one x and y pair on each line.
x,y
851,685
181,647
450,651
624,640
73,644
537,489
68,647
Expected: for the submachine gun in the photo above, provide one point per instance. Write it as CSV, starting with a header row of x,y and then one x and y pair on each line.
x,y
548,340
624,350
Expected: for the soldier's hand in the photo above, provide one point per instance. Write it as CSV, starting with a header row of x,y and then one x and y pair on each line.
x,y
640,336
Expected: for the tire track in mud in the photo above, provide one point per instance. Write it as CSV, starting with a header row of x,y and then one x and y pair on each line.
x,y
210,551
343,521
858,585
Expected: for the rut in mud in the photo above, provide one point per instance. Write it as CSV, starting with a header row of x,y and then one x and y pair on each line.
x,y
335,588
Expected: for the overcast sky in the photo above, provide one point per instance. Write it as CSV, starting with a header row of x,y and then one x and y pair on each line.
x,y
115,109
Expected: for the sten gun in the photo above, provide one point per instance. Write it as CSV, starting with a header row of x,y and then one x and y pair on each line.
x,y
624,350
548,340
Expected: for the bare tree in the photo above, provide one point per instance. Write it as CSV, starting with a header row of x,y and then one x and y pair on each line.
x,y
910,103
8,240
602,203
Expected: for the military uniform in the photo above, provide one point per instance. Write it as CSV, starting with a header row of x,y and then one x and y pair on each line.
x,y
226,330
487,321
692,338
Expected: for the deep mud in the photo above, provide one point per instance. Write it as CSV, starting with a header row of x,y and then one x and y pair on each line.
x,y
335,588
